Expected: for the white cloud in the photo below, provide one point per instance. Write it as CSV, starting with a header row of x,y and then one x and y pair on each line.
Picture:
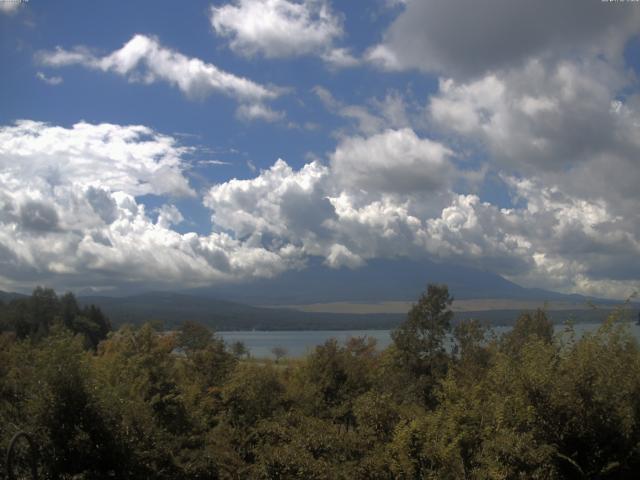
x,y
70,214
379,115
395,3
282,28
213,162
367,122
132,158
562,123
144,59
552,239
340,58
258,111
578,242
564,246
569,141
10,6
459,39
314,208
279,203
384,57
326,97
393,161
69,211
341,256
49,80
549,115
169,215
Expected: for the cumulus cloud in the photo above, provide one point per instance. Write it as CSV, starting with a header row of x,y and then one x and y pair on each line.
x,y
535,92
103,204
279,203
582,242
552,238
282,28
38,216
341,256
130,158
546,116
393,161
371,200
57,179
460,39
318,206
70,212
169,215
568,245
564,134
143,59
562,123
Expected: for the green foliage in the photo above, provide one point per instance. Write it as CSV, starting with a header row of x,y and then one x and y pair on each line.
x,y
421,337
33,317
252,393
334,376
142,403
193,336
239,349
472,350
420,341
528,325
49,395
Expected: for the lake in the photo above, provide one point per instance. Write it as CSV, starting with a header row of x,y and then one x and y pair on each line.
x,y
301,342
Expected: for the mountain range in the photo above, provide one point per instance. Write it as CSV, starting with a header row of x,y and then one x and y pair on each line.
x,y
378,281
279,303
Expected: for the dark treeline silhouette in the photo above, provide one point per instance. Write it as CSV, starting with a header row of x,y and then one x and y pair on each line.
x,y
139,403
33,317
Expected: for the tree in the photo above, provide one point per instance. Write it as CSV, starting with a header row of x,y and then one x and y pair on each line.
x,y
70,430
69,309
279,352
471,349
420,340
194,336
45,308
239,349
33,317
528,326
252,393
90,321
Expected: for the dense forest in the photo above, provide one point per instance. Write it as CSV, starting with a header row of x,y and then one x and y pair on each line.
x,y
140,403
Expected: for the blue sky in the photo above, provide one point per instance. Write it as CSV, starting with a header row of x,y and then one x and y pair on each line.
x,y
140,141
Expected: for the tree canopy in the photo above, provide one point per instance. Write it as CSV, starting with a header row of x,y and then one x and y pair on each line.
x,y
442,402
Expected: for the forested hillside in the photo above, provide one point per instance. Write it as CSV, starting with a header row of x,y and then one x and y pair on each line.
x,y
139,403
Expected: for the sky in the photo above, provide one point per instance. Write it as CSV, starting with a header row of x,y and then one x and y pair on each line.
x,y
184,144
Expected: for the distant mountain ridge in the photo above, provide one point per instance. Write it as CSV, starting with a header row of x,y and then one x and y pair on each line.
x,y
171,309
380,280
6,297
244,306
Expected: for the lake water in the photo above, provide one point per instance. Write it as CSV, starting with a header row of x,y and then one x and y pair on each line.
x,y
302,342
